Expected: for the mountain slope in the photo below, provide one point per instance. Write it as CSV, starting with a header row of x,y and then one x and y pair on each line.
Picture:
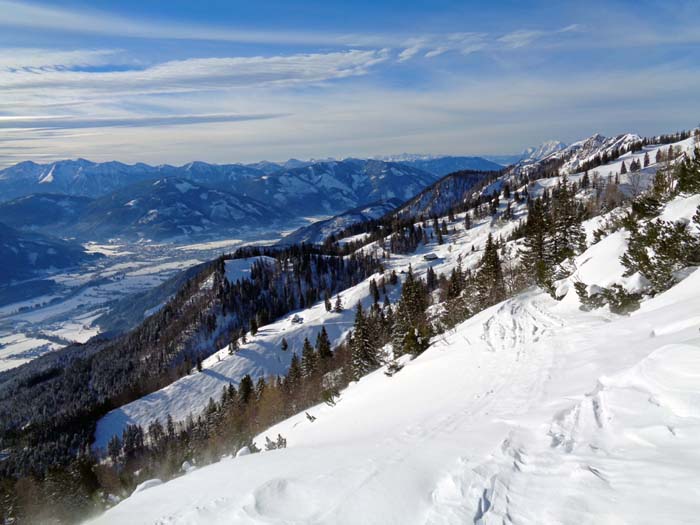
x,y
532,411
318,231
43,211
171,207
440,166
25,254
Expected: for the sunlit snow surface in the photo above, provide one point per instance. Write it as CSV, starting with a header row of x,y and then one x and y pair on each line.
x,y
530,412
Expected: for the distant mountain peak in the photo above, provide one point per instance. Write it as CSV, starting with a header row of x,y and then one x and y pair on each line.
x,y
546,148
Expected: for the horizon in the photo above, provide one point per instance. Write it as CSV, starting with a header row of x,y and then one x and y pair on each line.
x,y
229,82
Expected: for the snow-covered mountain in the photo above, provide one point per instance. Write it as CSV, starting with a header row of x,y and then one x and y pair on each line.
x,y
319,231
535,153
172,207
25,254
532,411
442,165
332,187
223,196
91,179
48,212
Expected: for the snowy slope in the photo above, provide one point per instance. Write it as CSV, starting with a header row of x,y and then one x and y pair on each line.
x,y
262,356
319,231
530,412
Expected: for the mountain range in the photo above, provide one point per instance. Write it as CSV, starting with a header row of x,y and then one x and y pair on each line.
x,y
101,201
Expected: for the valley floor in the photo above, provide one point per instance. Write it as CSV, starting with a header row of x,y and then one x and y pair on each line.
x,y
530,412
50,312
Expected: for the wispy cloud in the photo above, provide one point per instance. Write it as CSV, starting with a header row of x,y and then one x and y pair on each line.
x,y
197,74
14,58
70,122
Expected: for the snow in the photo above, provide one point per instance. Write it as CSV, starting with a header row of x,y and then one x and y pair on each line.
x,y
532,411
238,269
147,485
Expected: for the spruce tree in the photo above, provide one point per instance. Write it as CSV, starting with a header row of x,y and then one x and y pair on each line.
x,y
308,359
294,376
490,287
364,354
688,174
323,345
568,237
536,252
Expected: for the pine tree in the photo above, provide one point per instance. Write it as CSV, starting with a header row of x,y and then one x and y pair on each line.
x,y
364,354
490,287
284,345
253,326
688,174
294,375
374,291
467,221
536,256
327,302
308,359
246,389
623,168
233,345
568,237
114,448
646,159
338,304
323,345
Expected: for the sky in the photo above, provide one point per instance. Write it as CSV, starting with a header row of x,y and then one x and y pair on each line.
x,y
240,81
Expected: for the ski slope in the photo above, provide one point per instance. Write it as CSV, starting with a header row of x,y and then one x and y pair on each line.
x,y
530,412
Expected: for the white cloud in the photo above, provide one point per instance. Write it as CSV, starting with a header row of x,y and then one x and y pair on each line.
x,y
520,38
72,122
195,74
52,59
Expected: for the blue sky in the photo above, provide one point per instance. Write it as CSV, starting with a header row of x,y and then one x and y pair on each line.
x,y
229,81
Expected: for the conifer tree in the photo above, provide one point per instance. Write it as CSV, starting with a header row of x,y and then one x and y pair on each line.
x,y
246,389
308,359
233,345
284,345
364,353
338,304
536,256
490,287
294,375
688,174
568,237
323,345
